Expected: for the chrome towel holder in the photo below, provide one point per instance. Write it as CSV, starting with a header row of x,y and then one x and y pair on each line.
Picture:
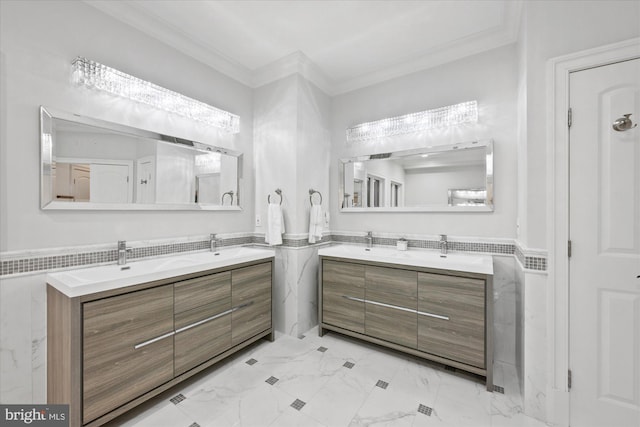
x,y
278,192
230,194
311,193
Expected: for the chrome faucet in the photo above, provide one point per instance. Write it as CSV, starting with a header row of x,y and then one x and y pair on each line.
x,y
369,239
123,250
213,242
443,244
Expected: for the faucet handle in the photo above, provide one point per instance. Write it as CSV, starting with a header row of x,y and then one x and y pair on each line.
x,y
122,245
212,236
369,233
443,237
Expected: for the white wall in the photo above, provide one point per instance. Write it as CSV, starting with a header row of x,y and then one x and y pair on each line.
x,y
491,79
38,41
552,29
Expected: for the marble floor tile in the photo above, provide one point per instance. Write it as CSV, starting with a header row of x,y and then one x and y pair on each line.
x,y
344,393
387,407
163,413
335,381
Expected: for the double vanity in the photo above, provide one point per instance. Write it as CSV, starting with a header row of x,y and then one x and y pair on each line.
x,y
121,334
432,305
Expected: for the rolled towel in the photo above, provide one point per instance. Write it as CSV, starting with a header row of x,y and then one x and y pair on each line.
x,y
275,225
315,223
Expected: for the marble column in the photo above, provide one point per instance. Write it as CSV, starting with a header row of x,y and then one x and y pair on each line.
x,y
291,147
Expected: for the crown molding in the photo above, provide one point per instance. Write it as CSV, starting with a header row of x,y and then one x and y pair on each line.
x,y
297,62
138,18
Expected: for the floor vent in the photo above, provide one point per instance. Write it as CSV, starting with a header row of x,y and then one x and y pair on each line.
x,y
349,365
251,361
297,404
322,349
271,380
382,384
177,399
498,388
424,409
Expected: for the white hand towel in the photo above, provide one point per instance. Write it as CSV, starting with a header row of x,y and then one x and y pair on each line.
x,y
275,225
315,223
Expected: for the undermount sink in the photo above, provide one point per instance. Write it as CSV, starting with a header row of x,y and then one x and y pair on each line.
x,y
83,281
470,263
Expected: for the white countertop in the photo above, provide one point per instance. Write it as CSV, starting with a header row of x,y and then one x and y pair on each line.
x,y
74,283
470,263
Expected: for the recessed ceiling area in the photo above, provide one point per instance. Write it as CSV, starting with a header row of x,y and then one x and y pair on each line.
x,y
339,45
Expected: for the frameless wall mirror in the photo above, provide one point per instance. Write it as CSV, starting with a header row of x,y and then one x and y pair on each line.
x,y
444,178
88,163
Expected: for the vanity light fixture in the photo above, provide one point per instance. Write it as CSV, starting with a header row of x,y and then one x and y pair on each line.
x,y
465,112
95,75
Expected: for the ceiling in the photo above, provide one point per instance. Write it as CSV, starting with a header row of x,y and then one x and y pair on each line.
x,y
339,45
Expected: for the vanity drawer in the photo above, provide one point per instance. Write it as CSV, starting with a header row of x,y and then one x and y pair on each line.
x,y
391,302
343,295
251,301
205,290
393,281
200,343
127,348
451,317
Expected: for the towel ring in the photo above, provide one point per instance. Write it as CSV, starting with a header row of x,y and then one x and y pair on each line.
x,y
230,193
278,192
311,193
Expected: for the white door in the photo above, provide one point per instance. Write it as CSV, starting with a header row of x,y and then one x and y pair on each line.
x,y
604,328
110,183
81,180
145,183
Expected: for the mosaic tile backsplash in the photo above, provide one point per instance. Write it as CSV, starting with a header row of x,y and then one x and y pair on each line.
x,y
27,264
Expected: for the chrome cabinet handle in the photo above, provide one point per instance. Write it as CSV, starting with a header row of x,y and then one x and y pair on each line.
x,y
381,304
151,341
623,123
214,317
437,316
203,321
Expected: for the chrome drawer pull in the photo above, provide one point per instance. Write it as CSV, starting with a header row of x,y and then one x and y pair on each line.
x,y
437,316
381,304
208,319
238,307
151,341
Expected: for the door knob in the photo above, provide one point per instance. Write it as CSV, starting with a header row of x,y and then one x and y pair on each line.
x,y
623,123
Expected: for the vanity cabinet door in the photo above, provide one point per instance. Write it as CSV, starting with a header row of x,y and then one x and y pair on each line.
x,y
127,348
251,301
343,295
202,319
391,303
451,317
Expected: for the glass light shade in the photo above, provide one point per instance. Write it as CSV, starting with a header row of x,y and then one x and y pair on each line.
x,y
452,115
95,75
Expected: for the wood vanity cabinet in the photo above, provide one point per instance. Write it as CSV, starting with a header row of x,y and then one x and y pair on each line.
x,y
251,300
343,295
112,350
120,359
451,320
202,319
435,314
392,299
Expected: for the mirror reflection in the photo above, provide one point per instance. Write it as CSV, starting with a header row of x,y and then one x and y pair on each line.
x,y
93,164
440,178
